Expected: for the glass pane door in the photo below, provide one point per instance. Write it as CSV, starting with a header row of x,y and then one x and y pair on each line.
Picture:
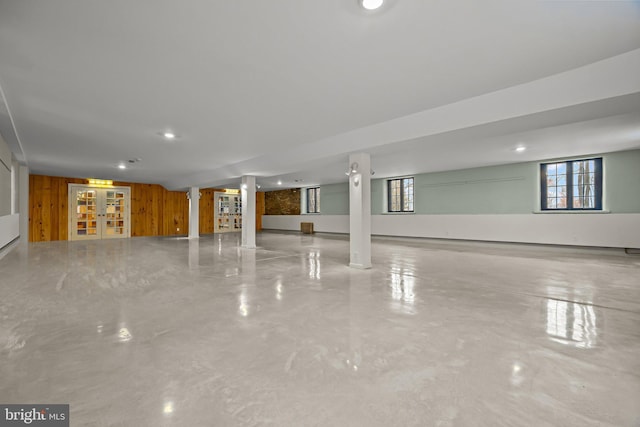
x,y
223,213
227,215
237,213
84,215
115,210
98,213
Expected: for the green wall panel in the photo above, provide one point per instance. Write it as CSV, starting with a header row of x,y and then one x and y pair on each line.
x,y
506,189
622,181
497,190
334,199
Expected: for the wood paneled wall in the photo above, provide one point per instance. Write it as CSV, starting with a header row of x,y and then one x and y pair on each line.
x,y
207,205
48,211
176,213
147,208
155,211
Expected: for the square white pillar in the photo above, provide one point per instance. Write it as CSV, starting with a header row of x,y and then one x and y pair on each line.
x,y
360,210
194,212
23,208
248,194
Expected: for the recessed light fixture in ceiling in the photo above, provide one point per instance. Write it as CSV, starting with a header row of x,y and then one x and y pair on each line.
x,y
371,4
279,182
521,149
122,166
169,135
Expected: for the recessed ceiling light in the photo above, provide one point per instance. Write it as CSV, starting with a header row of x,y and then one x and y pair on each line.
x,y
279,182
520,149
169,135
122,166
372,4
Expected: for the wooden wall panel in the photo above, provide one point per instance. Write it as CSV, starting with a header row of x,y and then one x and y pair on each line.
x,y
155,211
61,217
48,230
48,210
138,210
176,213
147,205
207,204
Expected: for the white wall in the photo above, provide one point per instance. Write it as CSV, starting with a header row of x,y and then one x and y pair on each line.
x,y
602,230
5,179
321,223
9,218
9,229
23,199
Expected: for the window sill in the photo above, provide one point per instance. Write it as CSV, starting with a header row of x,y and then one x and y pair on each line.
x,y
574,212
398,213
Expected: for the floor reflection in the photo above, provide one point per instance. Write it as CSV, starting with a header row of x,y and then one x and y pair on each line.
x,y
402,287
402,291
243,307
313,264
168,408
571,323
124,335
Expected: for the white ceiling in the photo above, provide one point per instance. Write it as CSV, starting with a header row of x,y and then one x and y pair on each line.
x,y
287,89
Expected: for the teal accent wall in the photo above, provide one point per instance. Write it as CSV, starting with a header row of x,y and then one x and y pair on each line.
x,y
622,181
334,199
506,189
378,205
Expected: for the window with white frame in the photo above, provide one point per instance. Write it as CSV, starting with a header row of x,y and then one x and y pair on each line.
x,y
571,185
313,200
400,195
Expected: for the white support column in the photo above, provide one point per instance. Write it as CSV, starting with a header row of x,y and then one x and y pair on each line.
x,y
360,210
15,187
248,192
194,212
23,208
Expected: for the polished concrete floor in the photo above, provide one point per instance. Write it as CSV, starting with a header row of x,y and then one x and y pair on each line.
x,y
172,332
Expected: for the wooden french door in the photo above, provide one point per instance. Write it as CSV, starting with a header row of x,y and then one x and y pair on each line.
x,y
99,213
227,215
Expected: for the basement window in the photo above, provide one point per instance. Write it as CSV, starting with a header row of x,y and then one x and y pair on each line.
x,y
313,200
573,185
400,195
